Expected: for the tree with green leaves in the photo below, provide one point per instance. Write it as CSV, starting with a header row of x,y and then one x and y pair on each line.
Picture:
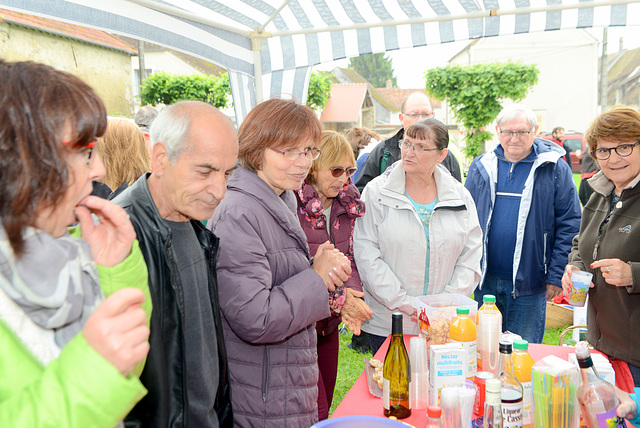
x,y
474,94
376,68
319,90
163,88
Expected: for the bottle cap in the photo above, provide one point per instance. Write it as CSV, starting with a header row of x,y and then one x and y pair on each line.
x,y
520,344
493,385
462,310
582,350
505,348
489,298
436,411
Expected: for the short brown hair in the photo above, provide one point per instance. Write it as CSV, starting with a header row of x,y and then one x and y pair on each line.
x,y
431,129
124,152
617,124
334,148
39,106
278,124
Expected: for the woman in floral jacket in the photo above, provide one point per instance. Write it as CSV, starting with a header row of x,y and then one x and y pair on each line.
x,y
328,206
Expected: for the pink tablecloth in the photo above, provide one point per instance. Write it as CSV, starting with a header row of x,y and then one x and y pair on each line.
x,y
359,401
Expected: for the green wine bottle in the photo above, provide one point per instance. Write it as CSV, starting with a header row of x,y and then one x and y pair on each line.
x,y
396,374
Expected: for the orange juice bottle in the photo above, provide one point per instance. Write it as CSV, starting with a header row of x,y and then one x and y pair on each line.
x,y
463,330
489,304
522,364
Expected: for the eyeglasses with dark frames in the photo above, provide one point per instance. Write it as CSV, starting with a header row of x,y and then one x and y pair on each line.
x,y
623,150
293,154
337,171
518,134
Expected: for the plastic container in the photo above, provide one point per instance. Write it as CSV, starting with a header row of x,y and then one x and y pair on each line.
x,y
463,330
359,422
436,313
522,364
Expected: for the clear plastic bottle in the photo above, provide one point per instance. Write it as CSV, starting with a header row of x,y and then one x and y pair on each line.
x,y
396,373
433,414
512,392
596,396
492,404
522,364
463,330
488,306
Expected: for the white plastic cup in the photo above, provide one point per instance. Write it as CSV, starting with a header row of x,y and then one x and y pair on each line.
x,y
450,404
419,373
578,292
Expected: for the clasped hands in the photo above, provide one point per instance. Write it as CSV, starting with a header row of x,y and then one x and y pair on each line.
x,y
334,268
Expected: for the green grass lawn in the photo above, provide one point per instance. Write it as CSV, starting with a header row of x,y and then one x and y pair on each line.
x,y
351,364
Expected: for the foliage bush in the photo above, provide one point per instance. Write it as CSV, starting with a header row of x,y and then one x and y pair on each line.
x,y
163,88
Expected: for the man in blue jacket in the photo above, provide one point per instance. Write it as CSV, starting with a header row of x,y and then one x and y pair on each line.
x,y
529,212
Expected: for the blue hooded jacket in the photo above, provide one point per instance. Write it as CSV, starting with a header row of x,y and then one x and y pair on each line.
x,y
548,219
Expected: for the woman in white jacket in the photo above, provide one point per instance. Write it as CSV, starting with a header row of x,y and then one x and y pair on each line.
x,y
420,234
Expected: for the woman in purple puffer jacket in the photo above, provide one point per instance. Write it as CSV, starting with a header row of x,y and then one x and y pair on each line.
x,y
328,206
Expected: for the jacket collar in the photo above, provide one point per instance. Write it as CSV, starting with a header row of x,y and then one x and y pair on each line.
x,y
282,208
392,143
543,151
602,185
396,182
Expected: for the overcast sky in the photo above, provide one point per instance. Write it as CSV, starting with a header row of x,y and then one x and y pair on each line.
x,y
410,64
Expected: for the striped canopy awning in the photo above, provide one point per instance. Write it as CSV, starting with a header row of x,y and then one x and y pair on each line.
x,y
269,46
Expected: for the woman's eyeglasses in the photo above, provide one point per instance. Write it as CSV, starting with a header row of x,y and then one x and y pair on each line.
x,y
86,148
293,154
338,171
405,144
623,150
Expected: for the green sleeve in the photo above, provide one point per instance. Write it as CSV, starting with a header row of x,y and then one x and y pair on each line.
x,y
132,272
78,389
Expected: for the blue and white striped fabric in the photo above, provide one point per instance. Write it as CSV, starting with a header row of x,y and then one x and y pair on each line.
x,y
269,46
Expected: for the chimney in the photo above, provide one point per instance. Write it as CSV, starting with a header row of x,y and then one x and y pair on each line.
x,y
620,44
389,84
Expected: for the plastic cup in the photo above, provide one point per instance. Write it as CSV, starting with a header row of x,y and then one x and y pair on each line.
x,y
450,404
578,292
419,373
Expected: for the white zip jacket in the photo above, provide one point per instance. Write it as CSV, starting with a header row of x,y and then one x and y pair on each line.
x,y
390,247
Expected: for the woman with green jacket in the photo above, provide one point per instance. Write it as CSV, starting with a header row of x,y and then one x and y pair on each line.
x,y
68,354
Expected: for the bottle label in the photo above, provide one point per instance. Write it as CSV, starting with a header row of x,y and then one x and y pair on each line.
x,y
386,396
470,355
527,414
610,420
512,414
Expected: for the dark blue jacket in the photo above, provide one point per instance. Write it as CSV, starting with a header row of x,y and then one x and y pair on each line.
x,y
548,219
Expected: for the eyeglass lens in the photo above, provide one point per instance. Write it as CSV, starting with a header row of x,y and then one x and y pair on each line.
x,y
337,172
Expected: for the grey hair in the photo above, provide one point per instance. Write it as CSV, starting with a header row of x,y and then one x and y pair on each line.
x,y
516,110
145,116
171,127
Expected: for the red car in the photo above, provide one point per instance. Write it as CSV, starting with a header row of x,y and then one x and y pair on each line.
x,y
574,142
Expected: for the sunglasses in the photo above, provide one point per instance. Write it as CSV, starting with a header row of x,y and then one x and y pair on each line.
x,y
337,171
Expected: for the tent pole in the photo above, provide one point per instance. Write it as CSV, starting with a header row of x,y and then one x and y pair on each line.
x,y
256,43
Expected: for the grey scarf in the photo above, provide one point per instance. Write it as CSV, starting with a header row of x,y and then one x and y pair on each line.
x,y
55,282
